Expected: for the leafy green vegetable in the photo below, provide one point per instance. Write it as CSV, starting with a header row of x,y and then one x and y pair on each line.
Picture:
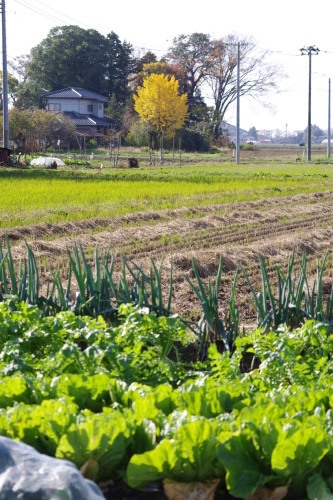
x,y
87,392
189,456
298,454
14,389
104,438
242,462
317,488
41,426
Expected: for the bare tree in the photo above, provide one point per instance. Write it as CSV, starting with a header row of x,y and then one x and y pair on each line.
x,y
257,77
18,65
191,54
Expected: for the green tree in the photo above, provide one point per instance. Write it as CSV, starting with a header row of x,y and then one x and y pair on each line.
x,y
13,85
253,133
69,56
140,134
28,92
119,65
138,65
317,134
36,129
29,95
115,109
73,56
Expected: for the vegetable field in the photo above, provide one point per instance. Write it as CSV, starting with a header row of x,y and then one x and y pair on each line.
x,y
211,366
112,401
174,214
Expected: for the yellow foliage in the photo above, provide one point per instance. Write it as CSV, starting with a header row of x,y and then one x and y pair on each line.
x,y
158,103
158,68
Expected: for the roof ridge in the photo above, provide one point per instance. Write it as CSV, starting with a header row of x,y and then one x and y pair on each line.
x,y
76,92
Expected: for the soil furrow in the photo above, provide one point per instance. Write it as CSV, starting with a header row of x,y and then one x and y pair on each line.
x,y
237,232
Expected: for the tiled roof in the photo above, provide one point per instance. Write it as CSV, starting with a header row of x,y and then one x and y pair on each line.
x,y
74,93
81,120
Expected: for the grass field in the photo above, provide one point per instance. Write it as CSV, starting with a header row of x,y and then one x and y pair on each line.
x,y
203,210
34,196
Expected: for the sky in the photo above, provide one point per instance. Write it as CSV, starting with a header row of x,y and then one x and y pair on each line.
x,y
282,28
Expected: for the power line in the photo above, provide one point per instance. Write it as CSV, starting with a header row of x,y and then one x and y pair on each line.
x,y
58,18
283,53
40,12
56,11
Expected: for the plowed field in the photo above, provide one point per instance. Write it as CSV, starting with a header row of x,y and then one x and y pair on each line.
x,y
238,232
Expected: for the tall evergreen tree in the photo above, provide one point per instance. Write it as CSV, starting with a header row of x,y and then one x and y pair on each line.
x,y
69,56
74,57
118,67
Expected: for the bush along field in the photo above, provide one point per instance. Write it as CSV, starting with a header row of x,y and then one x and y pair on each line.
x,y
134,395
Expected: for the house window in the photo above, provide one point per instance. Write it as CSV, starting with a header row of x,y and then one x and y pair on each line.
x,y
100,106
55,106
90,108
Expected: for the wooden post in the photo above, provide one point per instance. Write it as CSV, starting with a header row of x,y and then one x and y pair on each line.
x,y
154,151
119,139
173,148
161,149
180,152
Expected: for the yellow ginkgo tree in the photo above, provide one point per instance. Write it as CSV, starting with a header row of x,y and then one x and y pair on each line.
x,y
159,104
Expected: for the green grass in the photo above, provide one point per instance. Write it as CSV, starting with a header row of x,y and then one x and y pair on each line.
x,y
33,196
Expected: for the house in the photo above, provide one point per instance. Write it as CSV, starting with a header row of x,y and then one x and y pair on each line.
x,y
84,108
230,131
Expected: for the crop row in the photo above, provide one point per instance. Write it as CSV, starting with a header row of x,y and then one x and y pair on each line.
x,y
121,403
244,233
96,292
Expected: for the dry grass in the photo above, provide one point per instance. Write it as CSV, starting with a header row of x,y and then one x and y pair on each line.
x,y
238,232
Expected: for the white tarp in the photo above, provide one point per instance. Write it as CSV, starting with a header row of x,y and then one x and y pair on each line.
x,y
46,160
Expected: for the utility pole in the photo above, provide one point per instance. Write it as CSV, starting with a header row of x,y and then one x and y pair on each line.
x,y
4,78
308,51
329,120
238,114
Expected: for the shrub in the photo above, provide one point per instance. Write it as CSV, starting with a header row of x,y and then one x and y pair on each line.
x,y
192,140
249,147
92,144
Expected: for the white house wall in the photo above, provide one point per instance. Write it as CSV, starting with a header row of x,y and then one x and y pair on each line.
x,y
79,106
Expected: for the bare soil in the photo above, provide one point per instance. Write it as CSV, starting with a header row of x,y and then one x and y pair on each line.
x,y
237,232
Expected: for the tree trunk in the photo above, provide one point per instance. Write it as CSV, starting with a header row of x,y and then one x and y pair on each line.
x,y
161,148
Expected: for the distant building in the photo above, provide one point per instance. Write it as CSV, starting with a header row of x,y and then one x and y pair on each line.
x,y
84,108
230,131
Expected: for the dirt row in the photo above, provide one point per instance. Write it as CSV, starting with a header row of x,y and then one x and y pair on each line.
x,y
237,232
